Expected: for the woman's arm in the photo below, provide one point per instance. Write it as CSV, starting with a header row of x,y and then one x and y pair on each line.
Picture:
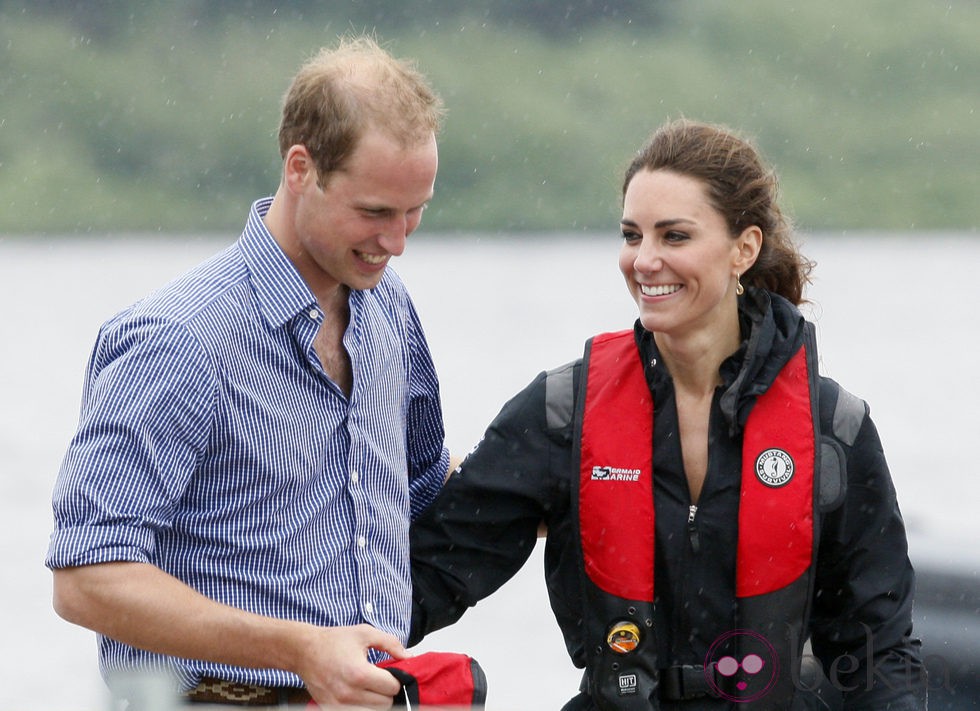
x,y
484,524
862,619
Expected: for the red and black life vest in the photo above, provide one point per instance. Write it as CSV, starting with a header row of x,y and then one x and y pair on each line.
x,y
615,514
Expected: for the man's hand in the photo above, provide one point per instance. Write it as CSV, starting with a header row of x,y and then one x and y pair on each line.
x,y
142,606
337,673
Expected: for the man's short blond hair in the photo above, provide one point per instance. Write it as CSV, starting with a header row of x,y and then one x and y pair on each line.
x,y
342,91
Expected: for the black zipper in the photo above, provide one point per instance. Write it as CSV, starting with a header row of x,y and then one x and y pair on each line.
x,y
692,528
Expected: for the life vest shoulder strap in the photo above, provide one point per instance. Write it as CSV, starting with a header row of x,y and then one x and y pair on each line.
x,y
776,516
616,526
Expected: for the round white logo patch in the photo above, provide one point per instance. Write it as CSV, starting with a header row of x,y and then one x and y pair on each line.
x,y
774,467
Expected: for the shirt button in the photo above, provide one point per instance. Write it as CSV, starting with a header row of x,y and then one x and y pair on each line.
x,y
314,314
354,476
368,607
361,541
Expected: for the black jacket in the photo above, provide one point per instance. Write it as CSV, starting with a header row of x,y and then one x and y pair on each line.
x,y
484,524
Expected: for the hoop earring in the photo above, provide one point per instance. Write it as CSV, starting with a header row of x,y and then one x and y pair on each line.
x,y
739,289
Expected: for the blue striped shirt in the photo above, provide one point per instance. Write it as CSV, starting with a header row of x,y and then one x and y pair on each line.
x,y
212,444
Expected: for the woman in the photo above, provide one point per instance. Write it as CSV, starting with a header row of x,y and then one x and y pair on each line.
x,y
711,502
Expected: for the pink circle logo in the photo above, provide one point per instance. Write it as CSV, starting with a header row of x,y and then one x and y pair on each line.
x,y
741,666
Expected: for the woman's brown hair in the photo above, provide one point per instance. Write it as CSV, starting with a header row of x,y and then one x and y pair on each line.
x,y
741,187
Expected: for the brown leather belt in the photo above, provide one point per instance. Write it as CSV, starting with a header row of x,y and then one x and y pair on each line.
x,y
218,691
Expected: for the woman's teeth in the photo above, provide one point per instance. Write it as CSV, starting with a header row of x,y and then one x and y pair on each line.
x,y
659,290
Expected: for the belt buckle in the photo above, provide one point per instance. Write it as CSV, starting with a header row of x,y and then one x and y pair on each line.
x,y
684,682
671,684
696,684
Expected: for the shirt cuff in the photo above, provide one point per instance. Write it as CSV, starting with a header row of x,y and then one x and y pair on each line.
x,y
90,545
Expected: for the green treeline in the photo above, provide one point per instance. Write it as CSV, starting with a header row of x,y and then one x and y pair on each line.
x,y
137,115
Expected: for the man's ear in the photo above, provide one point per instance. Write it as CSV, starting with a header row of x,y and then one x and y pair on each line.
x,y
298,169
747,245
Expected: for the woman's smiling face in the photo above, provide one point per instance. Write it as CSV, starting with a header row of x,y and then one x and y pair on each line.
x,y
678,257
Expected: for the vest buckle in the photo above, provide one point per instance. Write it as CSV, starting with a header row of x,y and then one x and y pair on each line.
x,y
684,682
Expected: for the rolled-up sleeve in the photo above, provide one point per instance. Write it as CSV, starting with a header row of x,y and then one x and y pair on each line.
x,y
145,416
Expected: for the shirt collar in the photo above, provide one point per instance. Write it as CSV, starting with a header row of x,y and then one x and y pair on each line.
x,y
279,289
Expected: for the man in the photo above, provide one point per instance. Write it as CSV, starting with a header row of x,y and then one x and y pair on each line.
x,y
255,437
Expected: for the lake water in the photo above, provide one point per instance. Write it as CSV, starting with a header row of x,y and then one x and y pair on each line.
x,y
897,325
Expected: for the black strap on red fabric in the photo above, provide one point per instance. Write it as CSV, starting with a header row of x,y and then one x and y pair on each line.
x,y
439,679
